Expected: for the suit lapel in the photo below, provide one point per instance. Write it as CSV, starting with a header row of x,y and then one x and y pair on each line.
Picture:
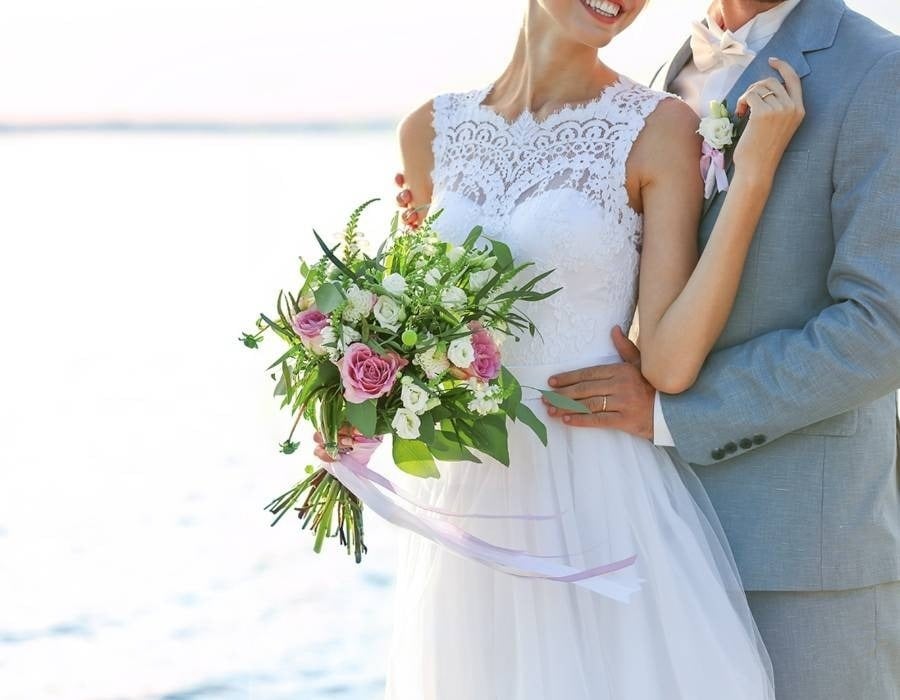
x,y
678,62
784,45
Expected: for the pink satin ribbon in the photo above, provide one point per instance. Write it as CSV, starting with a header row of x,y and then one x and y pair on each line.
x,y
351,470
712,170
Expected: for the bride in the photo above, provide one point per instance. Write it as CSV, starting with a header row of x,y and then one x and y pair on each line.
x,y
580,169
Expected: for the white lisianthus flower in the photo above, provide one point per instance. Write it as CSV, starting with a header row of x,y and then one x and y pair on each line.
x,y
433,362
359,304
349,335
406,424
478,279
433,277
414,397
395,284
461,353
455,254
453,296
389,313
718,132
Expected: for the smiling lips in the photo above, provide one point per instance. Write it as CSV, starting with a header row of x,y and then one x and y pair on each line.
x,y
603,8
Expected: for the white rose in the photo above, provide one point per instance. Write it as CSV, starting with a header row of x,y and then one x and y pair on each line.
x,y
461,353
718,132
478,279
433,277
350,335
453,296
406,424
389,313
359,304
414,397
433,362
395,284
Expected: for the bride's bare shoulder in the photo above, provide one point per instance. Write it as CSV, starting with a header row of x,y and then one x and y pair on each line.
x,y
670,132
415,134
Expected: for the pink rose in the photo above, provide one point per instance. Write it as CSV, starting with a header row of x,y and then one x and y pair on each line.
x,y
486,364
309,324
367,375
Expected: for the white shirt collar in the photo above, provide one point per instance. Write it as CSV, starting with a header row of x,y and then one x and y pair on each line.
x,y
757,32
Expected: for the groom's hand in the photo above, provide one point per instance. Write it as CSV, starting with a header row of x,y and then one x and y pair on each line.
x,y
629,397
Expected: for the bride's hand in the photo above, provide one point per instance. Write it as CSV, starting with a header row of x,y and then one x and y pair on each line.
x,y
776,112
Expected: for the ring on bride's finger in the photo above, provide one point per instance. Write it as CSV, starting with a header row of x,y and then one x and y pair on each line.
x,y
603,407
768,94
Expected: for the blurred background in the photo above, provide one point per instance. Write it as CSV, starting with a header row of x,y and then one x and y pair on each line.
x,y
161,165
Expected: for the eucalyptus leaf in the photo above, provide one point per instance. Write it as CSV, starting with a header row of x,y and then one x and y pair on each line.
x,y
328,297
363,416
446,447
564,402
414,457
526,415
490,437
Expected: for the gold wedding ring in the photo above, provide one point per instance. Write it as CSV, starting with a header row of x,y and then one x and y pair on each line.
x,y
768,94
603,407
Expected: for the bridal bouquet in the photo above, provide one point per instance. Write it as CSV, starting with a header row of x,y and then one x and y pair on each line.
x,y
406,343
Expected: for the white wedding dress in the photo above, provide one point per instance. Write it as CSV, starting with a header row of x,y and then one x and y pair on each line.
x,y
554,192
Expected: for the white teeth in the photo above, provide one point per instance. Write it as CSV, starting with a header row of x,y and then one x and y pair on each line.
x,y
604,7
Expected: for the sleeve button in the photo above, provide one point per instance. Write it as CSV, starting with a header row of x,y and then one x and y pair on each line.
x,y
718,454
759,439
731,448
746,444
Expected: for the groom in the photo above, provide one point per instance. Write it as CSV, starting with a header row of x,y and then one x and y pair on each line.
x,y
792,425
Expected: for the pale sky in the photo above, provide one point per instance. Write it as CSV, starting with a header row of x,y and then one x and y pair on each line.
x,y
282,59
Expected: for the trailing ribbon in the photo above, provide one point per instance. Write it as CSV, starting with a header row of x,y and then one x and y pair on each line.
x,y
712,170
352,472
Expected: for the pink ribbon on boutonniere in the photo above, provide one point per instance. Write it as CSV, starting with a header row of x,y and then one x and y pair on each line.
x,y
712,169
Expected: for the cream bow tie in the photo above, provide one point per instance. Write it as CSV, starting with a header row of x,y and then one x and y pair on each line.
x,y
713,49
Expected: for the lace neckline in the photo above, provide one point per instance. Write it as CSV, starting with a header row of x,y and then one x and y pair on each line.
x,y
570,109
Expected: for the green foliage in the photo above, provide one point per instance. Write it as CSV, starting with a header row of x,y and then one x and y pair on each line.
x,y
414,457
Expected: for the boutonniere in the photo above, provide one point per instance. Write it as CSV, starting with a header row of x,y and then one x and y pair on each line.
x,y
720,132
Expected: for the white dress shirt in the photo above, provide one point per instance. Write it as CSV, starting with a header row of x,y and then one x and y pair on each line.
x,y
725,59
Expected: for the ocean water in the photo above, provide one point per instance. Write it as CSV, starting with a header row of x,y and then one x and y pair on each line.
x,y
138,438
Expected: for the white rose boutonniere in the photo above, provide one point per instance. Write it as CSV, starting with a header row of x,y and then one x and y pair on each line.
x,y
719,135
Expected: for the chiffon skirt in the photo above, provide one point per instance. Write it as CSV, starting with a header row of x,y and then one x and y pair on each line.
x,y
463,631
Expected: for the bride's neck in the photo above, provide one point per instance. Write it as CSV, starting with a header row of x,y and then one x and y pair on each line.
x,y
548,70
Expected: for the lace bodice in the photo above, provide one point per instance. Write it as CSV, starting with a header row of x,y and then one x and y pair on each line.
x,y
554,191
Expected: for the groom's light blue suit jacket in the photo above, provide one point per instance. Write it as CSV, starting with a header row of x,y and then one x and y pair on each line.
x,y
792,425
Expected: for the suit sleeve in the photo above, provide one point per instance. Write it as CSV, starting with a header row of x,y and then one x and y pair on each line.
x,y
847,355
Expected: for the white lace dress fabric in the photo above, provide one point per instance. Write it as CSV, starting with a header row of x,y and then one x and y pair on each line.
x,y
554,191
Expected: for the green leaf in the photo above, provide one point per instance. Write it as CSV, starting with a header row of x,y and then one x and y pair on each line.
x,y
328,297
510,403
413,457
329,253
426,428
564,402
473,236
526,415
490,437
446,447
363,416
503,254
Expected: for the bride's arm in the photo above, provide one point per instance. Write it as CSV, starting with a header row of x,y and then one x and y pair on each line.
x,y
416,134
683,307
